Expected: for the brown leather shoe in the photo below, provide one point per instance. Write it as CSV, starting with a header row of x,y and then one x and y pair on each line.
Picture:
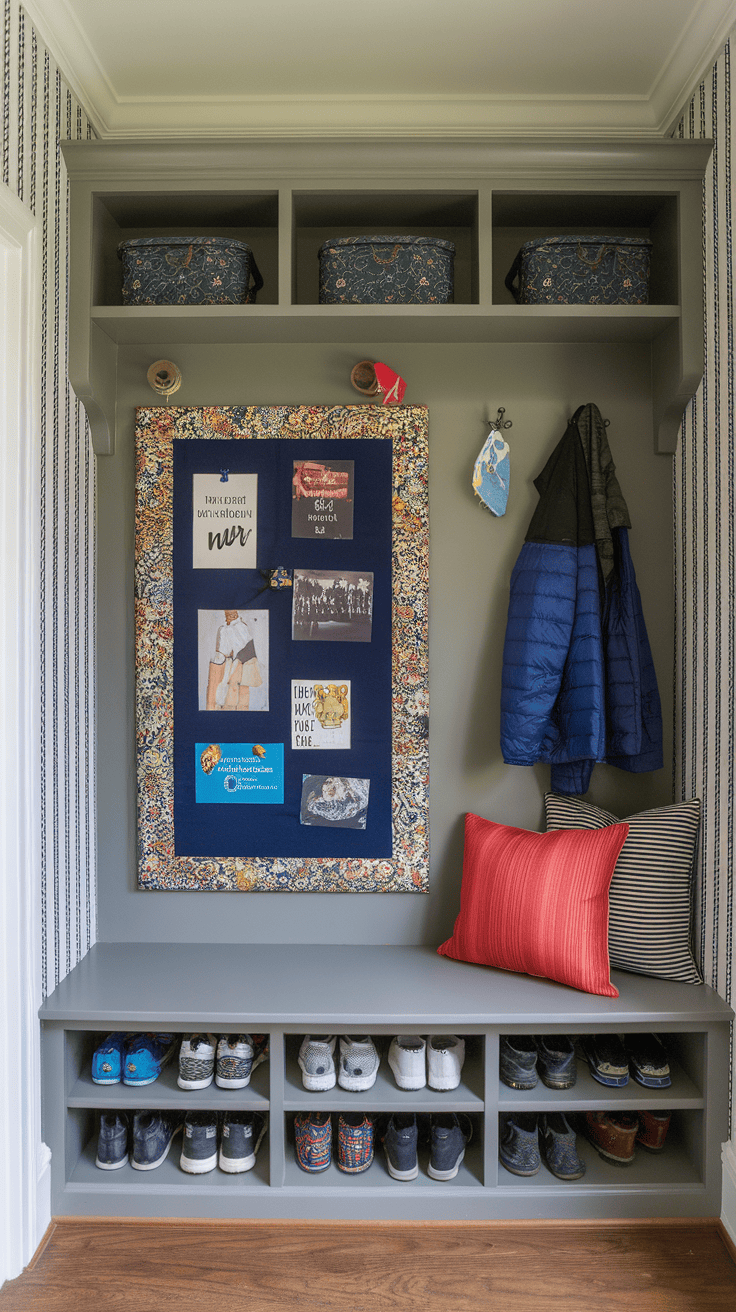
x,y
652,1132
612,1134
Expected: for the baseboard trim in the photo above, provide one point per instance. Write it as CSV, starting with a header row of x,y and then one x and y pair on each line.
x,y
573,1223
727,1241
43,1244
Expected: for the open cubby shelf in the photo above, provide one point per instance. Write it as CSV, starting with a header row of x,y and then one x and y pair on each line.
x,y
290,990
488,198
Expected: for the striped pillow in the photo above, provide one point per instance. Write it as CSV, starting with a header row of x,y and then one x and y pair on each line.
x,y
650,925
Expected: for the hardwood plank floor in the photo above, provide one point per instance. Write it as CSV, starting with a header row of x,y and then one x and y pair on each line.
x,y
243,1266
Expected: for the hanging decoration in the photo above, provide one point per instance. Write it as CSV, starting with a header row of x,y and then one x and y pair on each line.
x,y
492,469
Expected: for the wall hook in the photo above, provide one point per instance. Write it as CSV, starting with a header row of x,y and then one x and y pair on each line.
x,y
500,423
164,377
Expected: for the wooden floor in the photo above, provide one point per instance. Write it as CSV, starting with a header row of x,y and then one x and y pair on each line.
x,y
241,1266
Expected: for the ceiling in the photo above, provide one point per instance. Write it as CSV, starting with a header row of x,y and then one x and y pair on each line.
x,y
188,68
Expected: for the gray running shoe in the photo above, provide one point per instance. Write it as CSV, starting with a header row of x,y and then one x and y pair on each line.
x,y
359,1062
153,1133
449,1135
196,1061
112,1143
317,1062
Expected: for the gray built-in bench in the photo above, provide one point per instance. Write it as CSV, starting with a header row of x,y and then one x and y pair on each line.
x,y
290,990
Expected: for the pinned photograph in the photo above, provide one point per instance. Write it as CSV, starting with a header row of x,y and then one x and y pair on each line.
x,y
332,606
322,499
233,660
320,714
227,773
334,801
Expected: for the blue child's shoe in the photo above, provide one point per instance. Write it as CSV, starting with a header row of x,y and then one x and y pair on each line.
x,y
518,1147
145,1057
557,1143
107,1059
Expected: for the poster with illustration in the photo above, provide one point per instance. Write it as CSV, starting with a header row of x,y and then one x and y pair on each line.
x,y
332,605
233,660
320,714
322,499
225,521
335,801
239,772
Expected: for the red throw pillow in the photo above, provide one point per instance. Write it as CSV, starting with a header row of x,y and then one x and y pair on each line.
x,y
535,905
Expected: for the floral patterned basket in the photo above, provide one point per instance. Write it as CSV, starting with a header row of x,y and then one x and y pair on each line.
x,y
386,271
581,271
188,271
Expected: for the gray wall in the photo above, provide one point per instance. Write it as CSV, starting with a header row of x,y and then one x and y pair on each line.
x,y
472,555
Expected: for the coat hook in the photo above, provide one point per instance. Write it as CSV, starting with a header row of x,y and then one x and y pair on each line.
x,y
164,377
502,423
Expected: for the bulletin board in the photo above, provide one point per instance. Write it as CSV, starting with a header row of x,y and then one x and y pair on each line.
x,y
281,648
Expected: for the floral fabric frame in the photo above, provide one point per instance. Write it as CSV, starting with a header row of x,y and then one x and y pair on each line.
x,y
158,866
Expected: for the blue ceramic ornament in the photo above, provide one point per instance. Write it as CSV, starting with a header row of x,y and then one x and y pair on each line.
x,y
491,473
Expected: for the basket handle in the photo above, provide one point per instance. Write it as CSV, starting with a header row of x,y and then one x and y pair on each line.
x,y
593,264
391,257
257,280
513,273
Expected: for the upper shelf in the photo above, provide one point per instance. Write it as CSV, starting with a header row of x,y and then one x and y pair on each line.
x,y
286,198
133,324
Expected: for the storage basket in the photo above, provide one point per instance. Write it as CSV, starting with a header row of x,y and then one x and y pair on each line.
x,y
188,271
386,271
581,271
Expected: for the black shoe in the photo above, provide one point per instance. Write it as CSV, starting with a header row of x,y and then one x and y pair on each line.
x,y
606,1057
518,1061
556,1060
241,1137
648,1060
112,1144
199,1146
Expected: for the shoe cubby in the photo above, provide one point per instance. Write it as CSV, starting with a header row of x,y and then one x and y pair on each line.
x,y
519,217
385,1094
377,1176
288,991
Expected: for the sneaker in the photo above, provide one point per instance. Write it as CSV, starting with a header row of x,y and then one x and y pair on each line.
x,y
652,1132
112,1143
107,1059
359,1062
196,1061
237,1057
317,1062
448,1135
612,1134
354,1142
242,1133
153,1133
199,1144
313,1141
556,1060
518,1144
606,1057
518,1061
648,1061
445,1057
145,1057
406,1057
400,1145
557,1145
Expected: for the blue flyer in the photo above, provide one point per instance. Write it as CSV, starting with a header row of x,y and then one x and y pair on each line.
x,y
239,772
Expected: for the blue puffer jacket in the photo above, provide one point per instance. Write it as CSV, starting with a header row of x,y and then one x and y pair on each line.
x,y
578,683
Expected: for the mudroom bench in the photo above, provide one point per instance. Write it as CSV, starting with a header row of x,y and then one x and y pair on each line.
x,y
288,990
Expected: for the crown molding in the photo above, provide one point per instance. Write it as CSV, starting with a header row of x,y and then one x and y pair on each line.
x,y
116,117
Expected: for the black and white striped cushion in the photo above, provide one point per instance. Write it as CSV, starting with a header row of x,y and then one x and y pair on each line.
x,y
650,925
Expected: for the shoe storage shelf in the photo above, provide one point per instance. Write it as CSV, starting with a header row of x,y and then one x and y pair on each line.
x,y
291,990
285,199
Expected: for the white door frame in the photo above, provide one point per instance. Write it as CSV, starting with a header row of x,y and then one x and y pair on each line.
x,y
24,1191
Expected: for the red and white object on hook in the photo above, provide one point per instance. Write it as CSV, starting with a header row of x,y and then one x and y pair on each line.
x,y
369,378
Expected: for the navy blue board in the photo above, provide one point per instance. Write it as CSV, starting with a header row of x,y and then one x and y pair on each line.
x,y
250,829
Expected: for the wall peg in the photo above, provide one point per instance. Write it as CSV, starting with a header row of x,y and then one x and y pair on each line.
x,y
164,377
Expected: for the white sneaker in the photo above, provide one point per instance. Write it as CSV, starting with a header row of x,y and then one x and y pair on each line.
x,y
445,1057
359,1062
406,1057
317,1061
196,1061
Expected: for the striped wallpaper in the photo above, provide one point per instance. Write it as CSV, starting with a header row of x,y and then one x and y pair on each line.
x,y
705,546
38,111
